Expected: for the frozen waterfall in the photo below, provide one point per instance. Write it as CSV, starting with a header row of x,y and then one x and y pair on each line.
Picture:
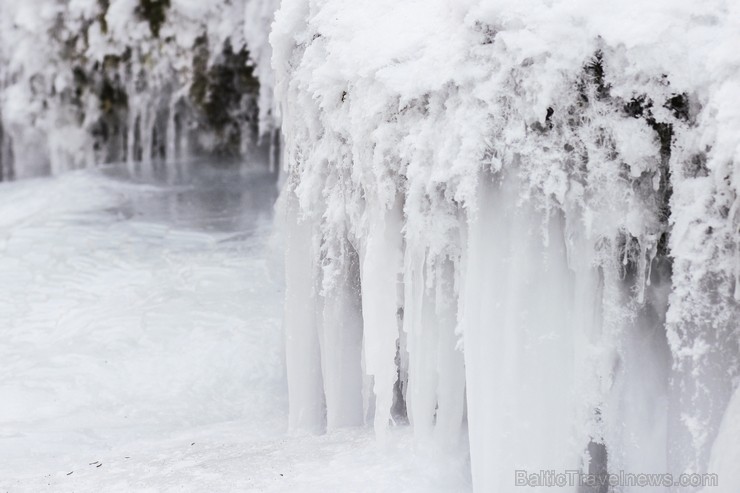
x,y
515,227
511,226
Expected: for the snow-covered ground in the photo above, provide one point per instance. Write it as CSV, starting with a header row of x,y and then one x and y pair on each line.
x,y
142,348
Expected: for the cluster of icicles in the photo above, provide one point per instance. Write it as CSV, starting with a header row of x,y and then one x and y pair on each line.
x,y
508,340
547,292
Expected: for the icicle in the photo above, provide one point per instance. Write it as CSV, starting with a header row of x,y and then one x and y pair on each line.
x,y
182,144
436,384
171,134
133,123
274,150
586,319
147,134
625,254
171,148
368,394
450,361
381,264
303,359
647,251
341,345
641,270
420,326
519,342
545,226
652,253
633,365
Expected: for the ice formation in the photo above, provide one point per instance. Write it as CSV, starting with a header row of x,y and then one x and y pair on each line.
x,y
511,223
90,81
515,222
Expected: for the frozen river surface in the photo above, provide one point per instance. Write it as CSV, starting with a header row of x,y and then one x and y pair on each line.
x,y
141,345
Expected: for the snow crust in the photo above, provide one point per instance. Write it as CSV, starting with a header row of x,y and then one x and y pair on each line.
x,y
544,194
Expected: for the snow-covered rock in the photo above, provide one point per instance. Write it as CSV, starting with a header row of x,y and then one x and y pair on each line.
x,y
540,202
87,81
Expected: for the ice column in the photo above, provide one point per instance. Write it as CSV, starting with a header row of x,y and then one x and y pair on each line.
x,y
381,266
341,342
303,357
519,341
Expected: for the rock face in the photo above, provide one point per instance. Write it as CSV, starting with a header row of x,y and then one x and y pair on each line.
x,y
90,81
539,203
